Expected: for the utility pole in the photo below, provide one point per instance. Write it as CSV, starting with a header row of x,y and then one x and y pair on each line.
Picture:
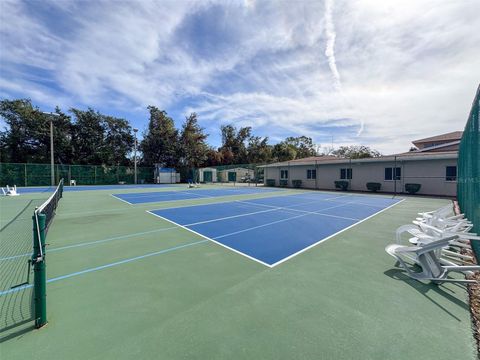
x,y
52,165
135,154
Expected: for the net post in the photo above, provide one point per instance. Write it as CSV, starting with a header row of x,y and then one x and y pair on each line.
x,y
39,267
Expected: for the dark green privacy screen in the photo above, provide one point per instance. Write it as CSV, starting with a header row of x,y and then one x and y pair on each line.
x,y
469,171
39,174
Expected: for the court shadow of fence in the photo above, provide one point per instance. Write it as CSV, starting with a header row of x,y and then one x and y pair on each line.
x,y
424,289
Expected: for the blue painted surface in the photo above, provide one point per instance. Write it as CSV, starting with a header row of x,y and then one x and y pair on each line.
x,y
39,189
272,229
188,194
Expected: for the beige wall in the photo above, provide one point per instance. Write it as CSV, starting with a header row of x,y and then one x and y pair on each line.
x,y
429,173
241,172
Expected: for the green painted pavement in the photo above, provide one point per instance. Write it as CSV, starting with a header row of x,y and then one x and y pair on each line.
x,y
343,299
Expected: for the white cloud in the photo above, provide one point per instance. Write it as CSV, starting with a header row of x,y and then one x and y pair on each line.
x,y
409,69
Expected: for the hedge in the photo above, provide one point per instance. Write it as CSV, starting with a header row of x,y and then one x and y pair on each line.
x,y
373,186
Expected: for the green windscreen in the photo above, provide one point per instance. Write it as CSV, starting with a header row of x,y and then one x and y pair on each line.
x,y
40,174
468,184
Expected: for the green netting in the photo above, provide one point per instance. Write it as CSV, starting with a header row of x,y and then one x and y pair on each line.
x,y
469,170
39,174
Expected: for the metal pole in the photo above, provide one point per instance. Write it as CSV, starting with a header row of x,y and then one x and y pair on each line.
x,y
39,280
52,168
395,176
135,155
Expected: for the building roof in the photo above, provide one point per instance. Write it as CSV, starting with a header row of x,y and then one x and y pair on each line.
x,y
408,156
451,136
451,145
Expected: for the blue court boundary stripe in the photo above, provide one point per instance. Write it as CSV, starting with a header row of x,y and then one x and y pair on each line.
x,y
94,242
101,267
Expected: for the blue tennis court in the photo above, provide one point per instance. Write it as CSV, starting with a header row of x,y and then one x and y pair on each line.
x,y
188,194
38,189
274,229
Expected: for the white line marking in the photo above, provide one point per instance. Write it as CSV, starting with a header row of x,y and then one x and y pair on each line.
x,y
331,236
276,222
205,237
125,201
311,212
155,194
230,217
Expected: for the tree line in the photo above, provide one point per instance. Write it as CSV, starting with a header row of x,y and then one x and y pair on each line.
x,y
89,137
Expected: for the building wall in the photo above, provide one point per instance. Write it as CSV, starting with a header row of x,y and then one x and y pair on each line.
x,y
240,173
202,172
429,173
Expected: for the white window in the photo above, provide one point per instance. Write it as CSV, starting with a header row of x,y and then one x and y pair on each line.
x,y
451,173
311,174
345,174
390,171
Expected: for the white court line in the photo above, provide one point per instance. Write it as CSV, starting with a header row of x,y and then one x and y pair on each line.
x,y
309,212
231,217
205,237
276,222
271,208
305,213
331,236
201,196
156,193
125,201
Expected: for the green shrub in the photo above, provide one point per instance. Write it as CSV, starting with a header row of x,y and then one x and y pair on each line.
x,y
373,186
297,183
270,182
341,185
412,188
283,183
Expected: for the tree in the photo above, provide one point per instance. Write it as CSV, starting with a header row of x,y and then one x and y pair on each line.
x,y
27,136
233,149
283,152
214,157
160,141
356,152
294,148
303,145
118,140
100,139
193,146
258,150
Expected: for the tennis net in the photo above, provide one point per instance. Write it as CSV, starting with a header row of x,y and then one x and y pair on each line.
x,y
42,220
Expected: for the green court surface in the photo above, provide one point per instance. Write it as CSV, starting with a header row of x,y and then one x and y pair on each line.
x,y
183,297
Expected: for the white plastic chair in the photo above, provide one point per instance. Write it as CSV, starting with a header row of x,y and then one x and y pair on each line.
x,y
425,256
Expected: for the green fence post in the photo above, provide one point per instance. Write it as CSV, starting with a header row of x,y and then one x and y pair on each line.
x,y
39,267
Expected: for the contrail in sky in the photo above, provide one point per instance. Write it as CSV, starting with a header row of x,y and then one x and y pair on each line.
x,y
330,48
330,52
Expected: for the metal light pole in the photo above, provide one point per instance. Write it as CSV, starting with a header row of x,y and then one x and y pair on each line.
x,y
52,165
135,154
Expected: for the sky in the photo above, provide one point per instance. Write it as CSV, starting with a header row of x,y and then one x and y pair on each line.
x,y
352,72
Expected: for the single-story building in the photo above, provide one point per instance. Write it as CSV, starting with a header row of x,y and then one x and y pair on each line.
x,y
239,174
166,175
434,170
207,175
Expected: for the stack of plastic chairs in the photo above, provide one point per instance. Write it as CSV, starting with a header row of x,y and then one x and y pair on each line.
x,y
436,243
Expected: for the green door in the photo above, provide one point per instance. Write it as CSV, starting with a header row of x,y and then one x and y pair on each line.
x,y
207,176
232,176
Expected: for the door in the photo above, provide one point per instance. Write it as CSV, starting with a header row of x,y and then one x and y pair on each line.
x,y
207,176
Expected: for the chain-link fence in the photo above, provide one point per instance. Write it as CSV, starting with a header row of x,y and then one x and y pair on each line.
x,y
40,174
469,170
